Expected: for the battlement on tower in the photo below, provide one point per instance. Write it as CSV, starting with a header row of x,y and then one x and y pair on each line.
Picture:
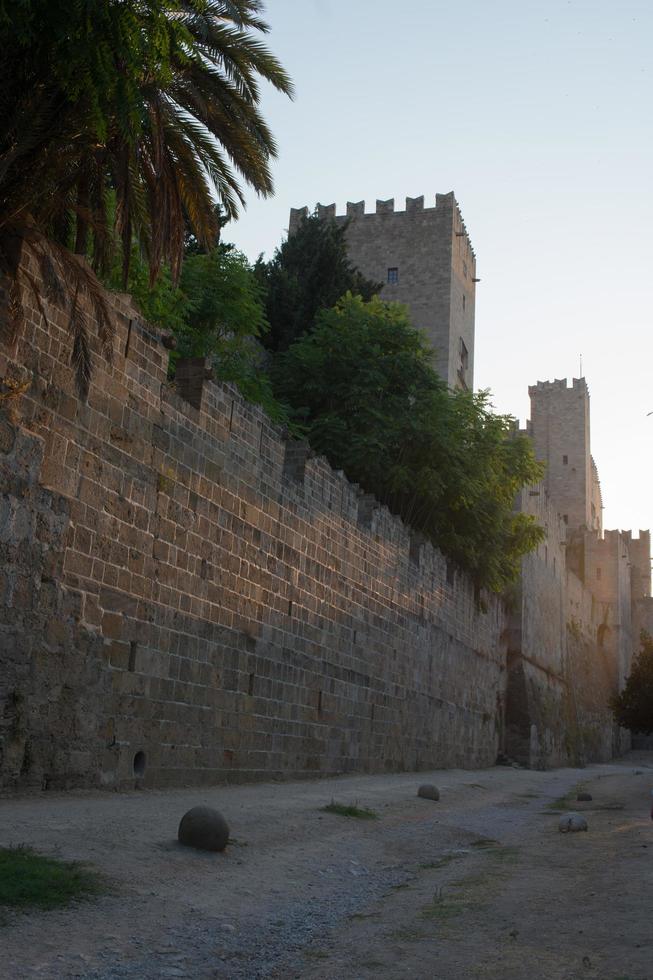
x,y
560,384
355,210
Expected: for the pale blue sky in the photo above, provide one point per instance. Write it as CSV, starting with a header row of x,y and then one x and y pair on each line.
x,y
539,116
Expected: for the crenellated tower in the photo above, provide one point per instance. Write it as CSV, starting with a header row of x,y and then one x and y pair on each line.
x,y
560,429
425,260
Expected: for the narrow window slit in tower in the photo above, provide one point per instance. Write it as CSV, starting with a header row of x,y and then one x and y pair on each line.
x,y
319,703
290,607
231,416
250,686
133,646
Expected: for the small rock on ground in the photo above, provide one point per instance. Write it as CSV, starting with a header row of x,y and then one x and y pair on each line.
x,y
429,792
571,823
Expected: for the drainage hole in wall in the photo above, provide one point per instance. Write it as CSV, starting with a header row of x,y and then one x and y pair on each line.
x,y
139,765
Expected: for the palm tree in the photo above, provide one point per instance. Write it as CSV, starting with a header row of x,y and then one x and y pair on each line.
x,y
128,119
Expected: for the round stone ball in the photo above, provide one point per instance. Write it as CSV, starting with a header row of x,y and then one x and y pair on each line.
x,y
429,792
571,823
204,828
584,797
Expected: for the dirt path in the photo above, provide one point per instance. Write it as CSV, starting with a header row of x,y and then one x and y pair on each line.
x,y
479,885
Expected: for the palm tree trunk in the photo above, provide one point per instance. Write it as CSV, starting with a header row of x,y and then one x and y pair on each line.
x,y
83,201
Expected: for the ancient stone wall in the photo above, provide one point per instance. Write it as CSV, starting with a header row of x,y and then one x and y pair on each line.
x,y
188,598
565,647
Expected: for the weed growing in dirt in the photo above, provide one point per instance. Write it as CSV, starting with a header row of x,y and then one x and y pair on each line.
x,y
445,908
568,801
474,881
443,861
359,812
408,935
316,954
506,855
440,863
31,880
497,850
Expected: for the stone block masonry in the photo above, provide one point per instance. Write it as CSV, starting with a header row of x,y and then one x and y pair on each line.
x,y
583,596
186,597
563,655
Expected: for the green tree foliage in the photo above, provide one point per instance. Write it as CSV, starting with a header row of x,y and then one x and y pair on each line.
x,y
163,303
309,272
224,303
153,102
633,708
216,311
225,320
363,386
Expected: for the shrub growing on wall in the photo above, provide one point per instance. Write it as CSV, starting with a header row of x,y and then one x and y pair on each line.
x,y
216,312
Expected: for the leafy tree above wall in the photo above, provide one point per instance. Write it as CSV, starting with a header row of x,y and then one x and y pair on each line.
x,y
309,272
633,708
362,384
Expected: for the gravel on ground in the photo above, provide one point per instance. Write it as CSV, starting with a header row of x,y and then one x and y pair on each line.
x,y
480,884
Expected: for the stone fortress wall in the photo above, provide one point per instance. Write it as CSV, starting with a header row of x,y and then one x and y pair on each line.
x,y
572,634
435,265
186,597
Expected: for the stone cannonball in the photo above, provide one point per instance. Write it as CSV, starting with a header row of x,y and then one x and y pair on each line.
x,y
572,823
205,828
429,792
584,797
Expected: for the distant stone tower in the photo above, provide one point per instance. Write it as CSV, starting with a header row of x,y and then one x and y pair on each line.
x,y
560,428
424,258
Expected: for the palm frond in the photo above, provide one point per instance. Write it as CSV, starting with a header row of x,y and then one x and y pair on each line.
x,y
15,315
152,103
81,354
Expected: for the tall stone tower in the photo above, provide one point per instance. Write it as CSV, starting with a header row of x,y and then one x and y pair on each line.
x,y
560,428
424,258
